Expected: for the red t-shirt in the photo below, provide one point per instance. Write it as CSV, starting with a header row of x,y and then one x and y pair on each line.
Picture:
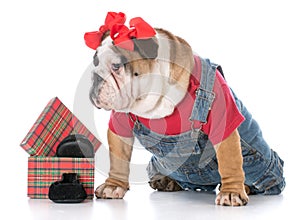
x,y
223,118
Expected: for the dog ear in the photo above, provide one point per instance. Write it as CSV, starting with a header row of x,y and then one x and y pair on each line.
x,y
147,48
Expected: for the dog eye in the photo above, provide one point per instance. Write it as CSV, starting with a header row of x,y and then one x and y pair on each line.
x,y
135,74
115,66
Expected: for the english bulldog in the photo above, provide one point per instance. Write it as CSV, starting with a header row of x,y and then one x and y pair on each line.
x,y
148,77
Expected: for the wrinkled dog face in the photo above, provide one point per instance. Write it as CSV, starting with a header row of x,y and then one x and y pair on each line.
x,y
110,81
119,76
135,81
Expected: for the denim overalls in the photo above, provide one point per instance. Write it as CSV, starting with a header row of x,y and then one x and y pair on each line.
x,y
189,158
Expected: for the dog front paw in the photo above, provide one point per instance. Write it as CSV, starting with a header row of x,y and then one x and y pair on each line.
x,y
231,199
105,191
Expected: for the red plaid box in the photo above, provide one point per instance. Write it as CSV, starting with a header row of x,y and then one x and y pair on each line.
x,y
54,124
42,171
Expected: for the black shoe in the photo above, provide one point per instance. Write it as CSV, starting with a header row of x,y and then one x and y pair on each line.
x,y
75,145
67,190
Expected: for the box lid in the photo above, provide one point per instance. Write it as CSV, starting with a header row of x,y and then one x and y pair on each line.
x,y
54,124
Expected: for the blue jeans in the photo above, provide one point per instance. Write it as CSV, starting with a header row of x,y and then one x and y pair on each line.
x,y
191,161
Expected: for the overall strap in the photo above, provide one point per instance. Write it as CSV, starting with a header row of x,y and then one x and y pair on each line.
x,y
204,94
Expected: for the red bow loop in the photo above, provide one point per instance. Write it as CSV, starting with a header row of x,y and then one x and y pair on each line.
x,y
141,28
113,18
93,39
120,34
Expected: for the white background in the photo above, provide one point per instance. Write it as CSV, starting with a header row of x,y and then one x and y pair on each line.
x,y
43,55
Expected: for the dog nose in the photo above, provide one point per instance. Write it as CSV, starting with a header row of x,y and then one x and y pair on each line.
x,y
96,60
94,91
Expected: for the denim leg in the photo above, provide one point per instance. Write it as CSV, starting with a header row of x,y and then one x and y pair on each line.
x,y
205,179
263,167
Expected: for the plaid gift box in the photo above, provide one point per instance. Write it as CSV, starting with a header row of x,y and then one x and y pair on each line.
x,y
54,124
42,171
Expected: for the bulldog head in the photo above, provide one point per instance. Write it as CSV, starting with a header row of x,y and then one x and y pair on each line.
x,y
148,81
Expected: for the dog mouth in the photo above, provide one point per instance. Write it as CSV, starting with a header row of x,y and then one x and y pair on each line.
x,y
94,98
111,88
104,91
103,96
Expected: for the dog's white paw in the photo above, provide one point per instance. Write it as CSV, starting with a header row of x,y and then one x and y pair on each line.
x,y
231,199
109,192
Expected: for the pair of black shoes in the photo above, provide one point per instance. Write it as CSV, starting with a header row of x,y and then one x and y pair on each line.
x,y
69,189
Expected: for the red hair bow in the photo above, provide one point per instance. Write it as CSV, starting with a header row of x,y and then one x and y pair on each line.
x,y
93,39
120,34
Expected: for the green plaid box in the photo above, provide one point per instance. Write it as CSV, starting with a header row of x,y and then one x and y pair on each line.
x,y
54,124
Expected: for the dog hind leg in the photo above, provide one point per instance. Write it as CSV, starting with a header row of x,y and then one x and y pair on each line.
x,y
164,183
